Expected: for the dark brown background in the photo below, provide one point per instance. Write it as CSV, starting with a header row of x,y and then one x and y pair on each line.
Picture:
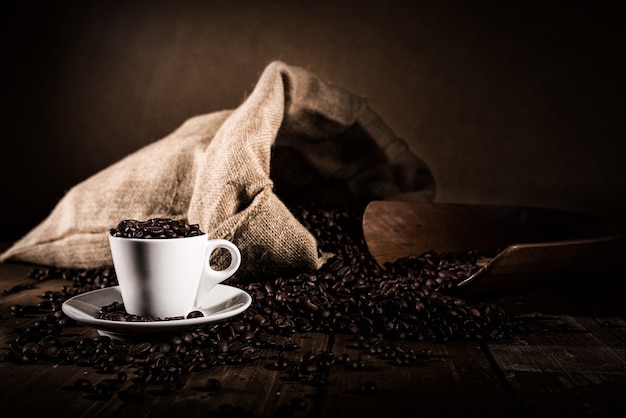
x,y
515,104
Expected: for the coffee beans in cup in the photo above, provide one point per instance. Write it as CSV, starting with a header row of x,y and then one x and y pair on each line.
x,y
156,228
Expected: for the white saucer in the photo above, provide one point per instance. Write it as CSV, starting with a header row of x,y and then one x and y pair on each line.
x,y
226,301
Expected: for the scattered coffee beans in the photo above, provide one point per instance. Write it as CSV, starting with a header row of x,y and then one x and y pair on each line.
x,y
156,228
115,311
378,307
16,289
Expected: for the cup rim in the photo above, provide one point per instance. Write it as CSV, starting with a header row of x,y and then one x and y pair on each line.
x,y
203,235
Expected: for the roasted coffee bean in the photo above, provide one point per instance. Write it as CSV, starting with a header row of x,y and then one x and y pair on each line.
x,y
222,347
82,384
358,364
104,389
309,367
291,346
17,310
140,350
344,358
161,347
213,385
110,368
281,363
368,387
48,351
30,349
121,376
121,358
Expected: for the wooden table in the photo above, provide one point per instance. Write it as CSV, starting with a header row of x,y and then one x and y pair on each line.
x,y
572,364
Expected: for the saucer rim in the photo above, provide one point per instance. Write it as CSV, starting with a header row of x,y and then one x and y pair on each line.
x,y
70,309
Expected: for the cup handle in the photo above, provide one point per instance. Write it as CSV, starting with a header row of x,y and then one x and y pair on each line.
x,y
218,276
211,277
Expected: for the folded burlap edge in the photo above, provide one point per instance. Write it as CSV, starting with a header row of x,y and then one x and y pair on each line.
x,y
255,230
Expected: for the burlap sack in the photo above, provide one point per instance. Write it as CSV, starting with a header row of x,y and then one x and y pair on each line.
x,y
314,142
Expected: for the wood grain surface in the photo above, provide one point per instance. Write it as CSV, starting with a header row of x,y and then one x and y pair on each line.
x,y
572,364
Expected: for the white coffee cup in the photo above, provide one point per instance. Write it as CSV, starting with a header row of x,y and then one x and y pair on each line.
x,y
165,278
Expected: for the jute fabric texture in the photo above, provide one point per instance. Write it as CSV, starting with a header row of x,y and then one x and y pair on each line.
x,y
294,140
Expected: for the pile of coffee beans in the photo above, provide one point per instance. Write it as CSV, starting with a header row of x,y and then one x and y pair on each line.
x,y
156,228
116,311
412,298
377,307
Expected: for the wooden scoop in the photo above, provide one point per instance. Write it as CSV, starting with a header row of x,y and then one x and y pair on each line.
x,y
531,244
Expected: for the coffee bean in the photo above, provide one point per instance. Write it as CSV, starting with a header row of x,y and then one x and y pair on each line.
x,y
213,385
48,351
222,347
160,347
281,363
122,358
140,350
368,387
82,384
110,368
